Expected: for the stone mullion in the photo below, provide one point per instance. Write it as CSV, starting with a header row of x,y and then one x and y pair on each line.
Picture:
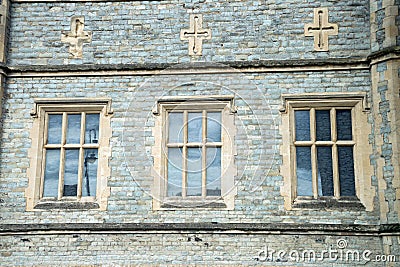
x,y
335,158
185,154
62,156
204,155
314,165
82,152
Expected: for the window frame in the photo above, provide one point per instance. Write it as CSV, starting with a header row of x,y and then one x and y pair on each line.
x,y
43,107
363,171
164,105
63,146
186,145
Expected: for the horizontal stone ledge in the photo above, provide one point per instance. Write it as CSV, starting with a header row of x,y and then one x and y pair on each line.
x,y
194,65
186,68
271,228
383,53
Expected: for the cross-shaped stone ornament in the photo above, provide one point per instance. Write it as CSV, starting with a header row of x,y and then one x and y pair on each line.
x,y
321,29
195,35
76,37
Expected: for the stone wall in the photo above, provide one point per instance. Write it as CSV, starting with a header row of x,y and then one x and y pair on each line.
x,y
191,249
133,98
148,32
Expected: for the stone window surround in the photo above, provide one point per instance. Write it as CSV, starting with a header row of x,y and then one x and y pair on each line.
x,y
365,192
228,188
35,170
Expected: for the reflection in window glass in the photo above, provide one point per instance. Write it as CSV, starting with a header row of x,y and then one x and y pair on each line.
x,y
90,173
194,164
325,171
302,121
332,161
213,171
51,174
71,172
214,127
346,171
323,121
54,129
175,134
70,169
304,171
92,128
195,121
74,129
174,172
344,127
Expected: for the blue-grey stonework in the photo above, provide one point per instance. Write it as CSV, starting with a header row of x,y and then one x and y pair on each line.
x,y
380,31
148,32
187,249
133,98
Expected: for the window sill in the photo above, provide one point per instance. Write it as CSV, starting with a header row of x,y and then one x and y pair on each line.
x,y
352,203
193,203
66,205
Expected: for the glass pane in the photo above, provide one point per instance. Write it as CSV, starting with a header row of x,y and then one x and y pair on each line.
x,y
195,127
175,127
343,124
346,171
74,129
302,121
54,131
304,171
71,172
51,173
90,173
214,127
323,121
174,172
194,172
92,128
213,171
325,171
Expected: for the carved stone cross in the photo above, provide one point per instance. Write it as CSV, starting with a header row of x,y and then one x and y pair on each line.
x,y
321,29
76,37
195,34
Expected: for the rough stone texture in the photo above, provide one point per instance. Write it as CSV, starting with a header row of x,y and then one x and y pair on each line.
x,y
183,249
386,106
148,32
258,99
385,24
385,103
